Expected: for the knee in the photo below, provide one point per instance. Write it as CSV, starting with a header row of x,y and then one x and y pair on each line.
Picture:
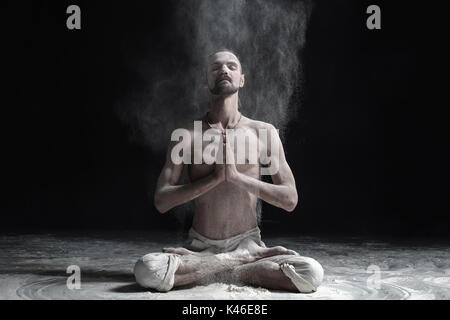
x,y
156,271
315,272
308,274
143,273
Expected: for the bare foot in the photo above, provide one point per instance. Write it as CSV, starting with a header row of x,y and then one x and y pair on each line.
x,y
180,251
185,252
257,252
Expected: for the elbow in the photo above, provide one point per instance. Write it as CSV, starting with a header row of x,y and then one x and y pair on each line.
x,y
159,204
291,203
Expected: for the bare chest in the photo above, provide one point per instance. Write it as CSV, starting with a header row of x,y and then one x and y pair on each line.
x,y
244,144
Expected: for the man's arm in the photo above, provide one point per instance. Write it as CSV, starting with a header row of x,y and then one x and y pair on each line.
x,y
169,194
282,193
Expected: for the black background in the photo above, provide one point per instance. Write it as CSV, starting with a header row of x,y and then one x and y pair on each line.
x,y
368,149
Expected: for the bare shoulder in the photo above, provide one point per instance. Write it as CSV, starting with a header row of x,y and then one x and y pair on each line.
x,y
257,124
267,133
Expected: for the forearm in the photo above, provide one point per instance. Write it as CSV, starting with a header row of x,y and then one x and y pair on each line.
x,y
281,196
169,196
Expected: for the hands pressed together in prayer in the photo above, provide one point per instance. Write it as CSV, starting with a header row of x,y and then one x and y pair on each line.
x,y
226,169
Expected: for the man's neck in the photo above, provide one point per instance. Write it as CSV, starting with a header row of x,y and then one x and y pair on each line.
x,y
224,110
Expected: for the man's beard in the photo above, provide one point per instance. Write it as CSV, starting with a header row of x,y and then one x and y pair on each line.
x,y
223,90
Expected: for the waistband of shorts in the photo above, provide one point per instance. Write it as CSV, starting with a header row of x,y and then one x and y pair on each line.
x,y
195,234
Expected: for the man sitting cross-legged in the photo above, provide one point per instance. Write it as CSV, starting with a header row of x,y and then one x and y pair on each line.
x,y
225,236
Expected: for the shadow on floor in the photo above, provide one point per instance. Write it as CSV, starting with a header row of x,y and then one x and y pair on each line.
x,y
131,288
86,275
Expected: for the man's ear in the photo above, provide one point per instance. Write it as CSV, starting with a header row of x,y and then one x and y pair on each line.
x,y
242,81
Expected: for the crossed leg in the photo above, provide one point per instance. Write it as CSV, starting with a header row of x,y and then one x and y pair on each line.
x,y
265,274
244,262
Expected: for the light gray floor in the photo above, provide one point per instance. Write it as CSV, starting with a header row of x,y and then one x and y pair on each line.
x,y
34,267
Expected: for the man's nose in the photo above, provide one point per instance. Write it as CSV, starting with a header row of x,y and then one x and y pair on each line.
x,y
224,69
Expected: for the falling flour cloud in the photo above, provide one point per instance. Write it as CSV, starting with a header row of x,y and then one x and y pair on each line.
x,y
267,35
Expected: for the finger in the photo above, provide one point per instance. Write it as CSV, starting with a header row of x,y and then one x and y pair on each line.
x,y
229,156
220,152
230,153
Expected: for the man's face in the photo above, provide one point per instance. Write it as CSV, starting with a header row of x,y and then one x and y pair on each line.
x,y
224,76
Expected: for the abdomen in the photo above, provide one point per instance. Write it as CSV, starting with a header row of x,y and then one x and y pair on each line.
x,y
226,210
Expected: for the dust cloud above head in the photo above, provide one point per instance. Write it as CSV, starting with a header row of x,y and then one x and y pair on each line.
x,y
267,35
